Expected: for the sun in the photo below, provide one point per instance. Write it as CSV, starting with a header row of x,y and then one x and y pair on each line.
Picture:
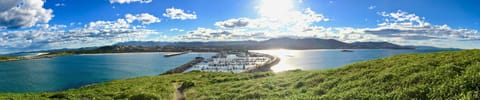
x,y
275,8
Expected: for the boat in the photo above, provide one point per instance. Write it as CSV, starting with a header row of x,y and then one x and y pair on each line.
x,y
347,50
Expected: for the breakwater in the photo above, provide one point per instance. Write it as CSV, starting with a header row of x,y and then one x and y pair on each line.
x,y
184,67
265,67
174,54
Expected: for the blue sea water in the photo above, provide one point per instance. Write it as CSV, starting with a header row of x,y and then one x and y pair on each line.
x,y
60,73
331,58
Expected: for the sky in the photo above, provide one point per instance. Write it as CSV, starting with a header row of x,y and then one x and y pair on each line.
x,y
27,25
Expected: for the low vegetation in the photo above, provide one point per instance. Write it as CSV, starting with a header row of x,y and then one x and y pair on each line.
x,y
8,58
56,54
443,75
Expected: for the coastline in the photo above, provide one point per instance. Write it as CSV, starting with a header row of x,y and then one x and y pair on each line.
x,y
15,58
267,66
211,85
50,55
262,68
184,67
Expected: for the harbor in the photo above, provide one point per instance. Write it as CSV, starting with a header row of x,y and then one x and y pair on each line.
x,y
229,61
236,62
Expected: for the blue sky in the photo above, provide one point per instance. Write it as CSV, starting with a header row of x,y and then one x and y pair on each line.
x,y
27,25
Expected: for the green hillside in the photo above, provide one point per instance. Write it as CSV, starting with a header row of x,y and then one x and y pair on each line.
x,y
444,75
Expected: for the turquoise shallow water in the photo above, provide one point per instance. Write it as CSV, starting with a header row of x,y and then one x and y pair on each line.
x,y
60,73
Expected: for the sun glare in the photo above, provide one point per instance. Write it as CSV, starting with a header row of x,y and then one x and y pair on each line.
x,y
285,56
276,8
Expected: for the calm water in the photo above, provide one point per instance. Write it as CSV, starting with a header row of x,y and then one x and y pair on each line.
x,y
324,59
60,73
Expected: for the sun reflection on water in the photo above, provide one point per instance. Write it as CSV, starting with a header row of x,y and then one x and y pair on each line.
x,y
284,56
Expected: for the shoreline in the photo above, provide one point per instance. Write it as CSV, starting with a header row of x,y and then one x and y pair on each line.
x,y
20,58
70,53
267,66
102,82
50,55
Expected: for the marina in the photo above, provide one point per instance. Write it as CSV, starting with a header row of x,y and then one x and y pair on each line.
x,y
235,62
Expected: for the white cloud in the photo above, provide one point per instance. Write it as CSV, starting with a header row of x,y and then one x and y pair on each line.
x,y
402,19
28,14
372,7
174,13
398,27
145,18
130,1
176,29
234,23
119,24
60,4
206,34
97,33
292,21
7,4
409,26
272,22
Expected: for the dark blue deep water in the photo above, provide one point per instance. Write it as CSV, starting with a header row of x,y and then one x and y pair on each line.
x,y
60,73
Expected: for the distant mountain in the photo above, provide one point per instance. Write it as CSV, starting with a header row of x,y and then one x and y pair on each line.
x,y
214,46
275,43
286,43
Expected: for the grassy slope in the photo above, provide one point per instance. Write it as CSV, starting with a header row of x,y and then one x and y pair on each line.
x,y
454,75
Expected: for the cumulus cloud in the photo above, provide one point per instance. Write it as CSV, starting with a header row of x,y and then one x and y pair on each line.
x,y
130,1
202,34
95,33
234,23
174,13
295,21
29,13
409,26
7,4
144,18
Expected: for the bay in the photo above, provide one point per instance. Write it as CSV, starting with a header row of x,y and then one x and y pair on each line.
x,y
61,73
